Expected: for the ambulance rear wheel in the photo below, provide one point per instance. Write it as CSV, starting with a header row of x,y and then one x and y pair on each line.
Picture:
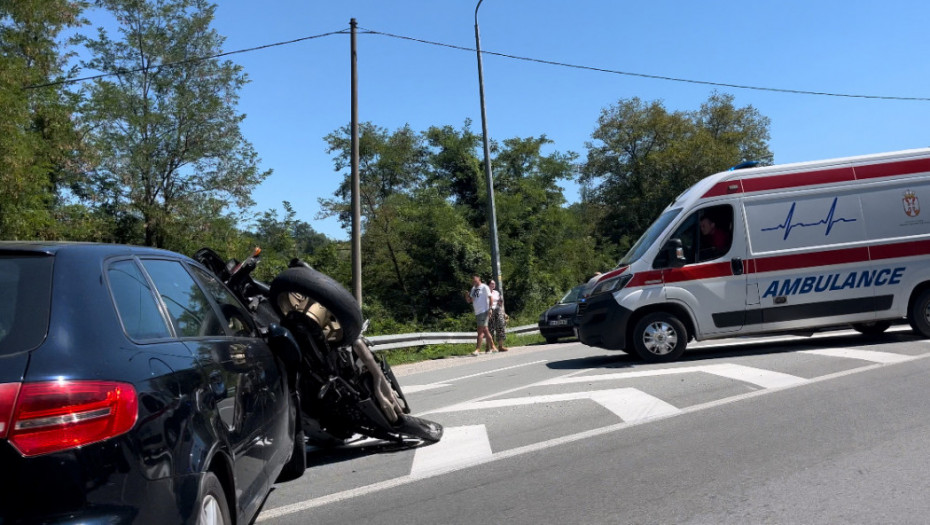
x,y
919,316
873,328
659,338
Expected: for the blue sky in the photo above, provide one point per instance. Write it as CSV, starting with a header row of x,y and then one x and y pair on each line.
x,y
299,93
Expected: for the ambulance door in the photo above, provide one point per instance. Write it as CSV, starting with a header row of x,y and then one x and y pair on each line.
x,y
711,280
810,259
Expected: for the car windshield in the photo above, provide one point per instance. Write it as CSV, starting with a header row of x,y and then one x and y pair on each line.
x,y
649,237
25,298
572,295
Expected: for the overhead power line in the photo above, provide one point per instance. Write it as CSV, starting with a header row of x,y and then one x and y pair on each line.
x,y
503,55
187,61
654,77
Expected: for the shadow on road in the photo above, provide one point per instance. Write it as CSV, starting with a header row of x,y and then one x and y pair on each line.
x,y
614,359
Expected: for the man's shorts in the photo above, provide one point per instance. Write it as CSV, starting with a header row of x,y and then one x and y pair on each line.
x,y
482,318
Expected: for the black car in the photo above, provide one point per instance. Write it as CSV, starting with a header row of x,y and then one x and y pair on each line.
x,y
134,388
558,321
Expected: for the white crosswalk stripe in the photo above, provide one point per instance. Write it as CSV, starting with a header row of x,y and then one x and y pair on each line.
x,y
863,355
748,374
410,389
756,376
629,404
459,446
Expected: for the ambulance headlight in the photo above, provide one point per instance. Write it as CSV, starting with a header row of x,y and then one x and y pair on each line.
x,y
612,284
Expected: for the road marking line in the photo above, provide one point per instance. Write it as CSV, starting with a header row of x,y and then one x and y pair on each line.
x,y
410,389
459,447
864,355
301,506
430,386
618,375
629,404
748,374
503,393
756,376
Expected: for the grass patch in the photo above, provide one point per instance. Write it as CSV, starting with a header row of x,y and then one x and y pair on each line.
x,y
415,354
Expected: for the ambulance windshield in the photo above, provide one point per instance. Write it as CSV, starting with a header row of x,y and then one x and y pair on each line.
x,y
649,237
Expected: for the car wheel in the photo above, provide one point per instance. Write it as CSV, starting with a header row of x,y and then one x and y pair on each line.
x,y
550,340
214,510
295,467
919,316
659,338
874,328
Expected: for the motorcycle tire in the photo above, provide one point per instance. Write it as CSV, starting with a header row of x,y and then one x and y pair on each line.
x,y
322,289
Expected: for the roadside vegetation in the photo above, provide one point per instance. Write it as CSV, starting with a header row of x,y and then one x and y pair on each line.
x,y
154,156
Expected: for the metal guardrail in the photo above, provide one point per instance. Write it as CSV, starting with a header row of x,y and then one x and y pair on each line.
x,y
389,342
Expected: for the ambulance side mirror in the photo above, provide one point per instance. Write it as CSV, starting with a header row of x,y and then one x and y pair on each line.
x,y
674,253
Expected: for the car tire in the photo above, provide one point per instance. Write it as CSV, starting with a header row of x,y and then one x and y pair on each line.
x,y
212,508
550,340
659,338
315,287
873,328
295,467
919,315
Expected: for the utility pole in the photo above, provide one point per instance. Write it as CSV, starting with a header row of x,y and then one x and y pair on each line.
x,y
356,193
488,175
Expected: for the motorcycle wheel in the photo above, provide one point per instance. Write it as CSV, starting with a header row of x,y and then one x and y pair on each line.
x,y
320,297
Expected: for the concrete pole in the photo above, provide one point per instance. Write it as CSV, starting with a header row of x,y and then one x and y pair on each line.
x,y
356,193
488,175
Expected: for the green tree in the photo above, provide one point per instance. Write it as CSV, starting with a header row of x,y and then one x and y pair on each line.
x,y
284,239
456,171
643,156
38,142
442,251
546,248
425,230
166,124
391,165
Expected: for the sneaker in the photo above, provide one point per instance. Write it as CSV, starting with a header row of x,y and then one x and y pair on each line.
x,y
502,349
476,352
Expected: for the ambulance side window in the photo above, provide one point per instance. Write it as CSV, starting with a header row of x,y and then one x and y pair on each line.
x,y
705,235
716,232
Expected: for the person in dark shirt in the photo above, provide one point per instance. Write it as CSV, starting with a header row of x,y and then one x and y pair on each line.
x,y
715,242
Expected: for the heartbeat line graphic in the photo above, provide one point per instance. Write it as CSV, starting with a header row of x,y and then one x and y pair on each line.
x,y
829,221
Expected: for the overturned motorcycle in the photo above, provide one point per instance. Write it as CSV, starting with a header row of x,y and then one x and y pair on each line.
x,y
344,388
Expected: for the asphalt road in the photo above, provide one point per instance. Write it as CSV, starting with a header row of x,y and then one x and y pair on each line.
x,y
830,429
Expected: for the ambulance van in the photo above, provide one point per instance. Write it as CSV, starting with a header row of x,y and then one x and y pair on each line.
x,y
789,248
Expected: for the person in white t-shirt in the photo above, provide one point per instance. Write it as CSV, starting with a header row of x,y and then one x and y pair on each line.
x,y
480,298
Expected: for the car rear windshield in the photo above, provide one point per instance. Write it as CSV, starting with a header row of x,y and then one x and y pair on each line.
x,y
25,299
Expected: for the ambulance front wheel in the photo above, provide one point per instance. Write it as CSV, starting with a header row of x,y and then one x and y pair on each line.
x,y
919,316
659,338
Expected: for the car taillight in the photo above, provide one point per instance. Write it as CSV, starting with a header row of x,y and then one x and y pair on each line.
x,y
8,393
58,415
